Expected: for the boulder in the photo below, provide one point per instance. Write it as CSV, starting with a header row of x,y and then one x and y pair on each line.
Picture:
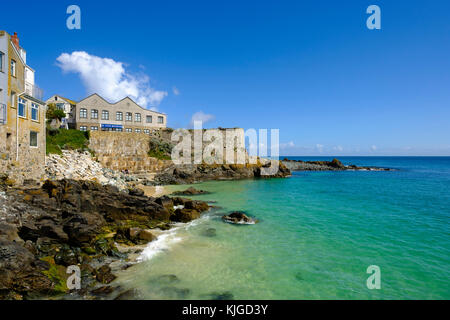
x,y
190,192
238,217
184,215
104,274
146,235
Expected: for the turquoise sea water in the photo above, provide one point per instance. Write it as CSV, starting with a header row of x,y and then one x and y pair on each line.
x,y
318,233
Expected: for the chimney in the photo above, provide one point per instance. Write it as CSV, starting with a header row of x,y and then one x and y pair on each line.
x,y
15,40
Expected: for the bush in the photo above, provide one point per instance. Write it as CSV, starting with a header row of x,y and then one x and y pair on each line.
x,y
60,139
160,149
54,113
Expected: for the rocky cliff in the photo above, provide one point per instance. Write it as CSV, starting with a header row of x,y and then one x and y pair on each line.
x,y
63,223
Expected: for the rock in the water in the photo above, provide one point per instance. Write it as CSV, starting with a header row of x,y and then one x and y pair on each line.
x,y
175,293
146,235
190,192
104,290
238,217
131,294
184,215
221,296
210,232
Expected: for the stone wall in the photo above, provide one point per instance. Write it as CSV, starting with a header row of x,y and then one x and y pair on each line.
x,y
121,151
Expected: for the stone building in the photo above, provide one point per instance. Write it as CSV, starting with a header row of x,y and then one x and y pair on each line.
x,y
66,105
22,114
96,114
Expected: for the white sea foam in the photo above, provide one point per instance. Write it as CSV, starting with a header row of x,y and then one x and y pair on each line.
x,y
165,241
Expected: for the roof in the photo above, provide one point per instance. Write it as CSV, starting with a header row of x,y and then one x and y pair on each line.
x,y
96,94
68,100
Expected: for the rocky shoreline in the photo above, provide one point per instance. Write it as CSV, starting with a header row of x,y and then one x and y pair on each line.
x,y
98,228
334,165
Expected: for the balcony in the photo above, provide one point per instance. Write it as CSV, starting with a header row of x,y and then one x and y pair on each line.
x,y
34,91
3,118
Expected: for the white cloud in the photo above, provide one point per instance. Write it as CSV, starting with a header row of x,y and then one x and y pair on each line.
x,y
373,148
203,117
109,78
319,147
176,91
289,144
338,148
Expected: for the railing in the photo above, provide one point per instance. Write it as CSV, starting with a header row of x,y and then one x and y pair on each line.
x,y
3,113
34,91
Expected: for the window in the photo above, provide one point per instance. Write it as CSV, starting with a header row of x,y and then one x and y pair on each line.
x,y
13,68
146,131
22,108
160,119
137,117
35,112
1,60
13,99
137,130
128,130
129,116
83,128
94,114
105,115
94,128
119,129
119,116
83,113
149,119
33,139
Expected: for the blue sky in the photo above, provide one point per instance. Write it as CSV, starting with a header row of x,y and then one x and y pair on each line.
x,y
309,68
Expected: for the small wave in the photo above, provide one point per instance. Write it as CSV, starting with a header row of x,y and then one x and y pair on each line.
x,y
161,244
167,239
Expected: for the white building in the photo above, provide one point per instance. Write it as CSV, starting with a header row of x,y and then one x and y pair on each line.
x,y
66,105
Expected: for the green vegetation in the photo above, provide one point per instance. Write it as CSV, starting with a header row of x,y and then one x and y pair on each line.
x,y
160,149
57,274
54,113
59,139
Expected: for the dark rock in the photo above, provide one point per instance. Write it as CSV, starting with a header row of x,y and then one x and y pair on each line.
x,y
131,294
184,215
238,218
67,256
190,192
175,293
9,232
210,232
221,296
166,279
102,291
104,275
136,192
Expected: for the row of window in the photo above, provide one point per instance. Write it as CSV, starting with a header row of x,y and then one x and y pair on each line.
x,y
119,116
2,63
22,109
95,128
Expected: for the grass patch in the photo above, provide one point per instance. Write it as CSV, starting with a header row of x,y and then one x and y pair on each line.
x,y
71,139
57,274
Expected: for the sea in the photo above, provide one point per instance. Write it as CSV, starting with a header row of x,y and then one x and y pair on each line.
x,y
321,235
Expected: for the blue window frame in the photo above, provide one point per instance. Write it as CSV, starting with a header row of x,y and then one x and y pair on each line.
x,y
22,108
